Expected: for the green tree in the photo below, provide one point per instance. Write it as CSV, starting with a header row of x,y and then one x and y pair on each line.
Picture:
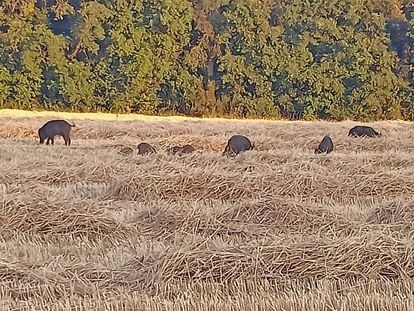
x,y
21,72
148,40
249,58
286,58
339,62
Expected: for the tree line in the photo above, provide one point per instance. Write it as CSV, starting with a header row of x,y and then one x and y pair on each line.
x,y
300,59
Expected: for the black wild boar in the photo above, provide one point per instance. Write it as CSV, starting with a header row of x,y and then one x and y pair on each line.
x,y
145,148
55,127
326,145
237,144
363,131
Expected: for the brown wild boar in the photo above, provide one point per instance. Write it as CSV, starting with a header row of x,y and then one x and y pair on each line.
x,y
174,150
181,150
187,149
145,148
126,151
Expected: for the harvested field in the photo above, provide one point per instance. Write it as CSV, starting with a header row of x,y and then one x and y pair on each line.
x,y
88,227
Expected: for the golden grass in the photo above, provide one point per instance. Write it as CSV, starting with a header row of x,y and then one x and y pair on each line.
x,y
89,227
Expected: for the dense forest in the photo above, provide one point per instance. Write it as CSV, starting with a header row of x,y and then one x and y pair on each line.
x,y
301,59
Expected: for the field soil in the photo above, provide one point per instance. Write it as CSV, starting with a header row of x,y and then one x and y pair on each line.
x,y
87,227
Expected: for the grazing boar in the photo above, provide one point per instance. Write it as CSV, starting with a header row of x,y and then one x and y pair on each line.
x,y
145,148
174,150
187,149
126,151
363,131
55,127
181,150
325,146
237,144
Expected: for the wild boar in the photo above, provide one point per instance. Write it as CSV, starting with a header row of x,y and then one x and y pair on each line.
x,y
174,150
325,146
126,151
363,131
145,148
187,149
181,149
237,144
53,128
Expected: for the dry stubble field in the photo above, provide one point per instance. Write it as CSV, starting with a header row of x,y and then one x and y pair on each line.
x,y
86,228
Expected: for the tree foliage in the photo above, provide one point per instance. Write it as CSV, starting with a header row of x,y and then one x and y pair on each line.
x,y
305,59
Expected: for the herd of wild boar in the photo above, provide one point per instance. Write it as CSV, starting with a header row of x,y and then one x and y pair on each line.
x,y
235,145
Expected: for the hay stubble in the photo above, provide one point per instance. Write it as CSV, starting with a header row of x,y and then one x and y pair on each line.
x,y
278,228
